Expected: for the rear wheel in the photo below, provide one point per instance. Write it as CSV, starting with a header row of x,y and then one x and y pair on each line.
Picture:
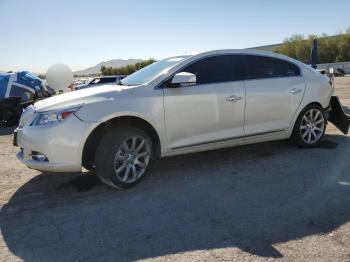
x,y
309,127
9,115
122,157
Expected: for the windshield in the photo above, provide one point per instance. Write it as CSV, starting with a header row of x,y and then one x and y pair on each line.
x,y
150,72
4,80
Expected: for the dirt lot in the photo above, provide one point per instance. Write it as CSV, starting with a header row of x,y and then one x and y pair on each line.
x,y
255,203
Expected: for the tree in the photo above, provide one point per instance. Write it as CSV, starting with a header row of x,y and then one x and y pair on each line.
x,y
330,49
126,70
344,49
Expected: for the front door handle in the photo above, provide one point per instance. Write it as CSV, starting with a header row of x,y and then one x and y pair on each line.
x,y
233,98
295,91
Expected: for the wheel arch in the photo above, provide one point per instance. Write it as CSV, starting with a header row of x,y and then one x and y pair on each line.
x,y
312,103
297,113
317,103
97,133
295,131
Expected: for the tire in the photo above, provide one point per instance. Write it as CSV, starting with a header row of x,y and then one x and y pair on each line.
x,y
9,115
122,158
310,127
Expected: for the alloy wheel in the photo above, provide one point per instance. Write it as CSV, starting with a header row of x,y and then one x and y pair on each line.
x,y
312,126
132,158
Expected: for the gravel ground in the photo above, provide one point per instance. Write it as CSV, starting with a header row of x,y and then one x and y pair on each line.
x,y
254,203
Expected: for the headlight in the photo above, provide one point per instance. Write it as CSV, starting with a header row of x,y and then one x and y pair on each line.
x,y
54,116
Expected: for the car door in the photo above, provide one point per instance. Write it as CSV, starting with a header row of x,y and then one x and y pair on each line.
x,y
274,90
210,111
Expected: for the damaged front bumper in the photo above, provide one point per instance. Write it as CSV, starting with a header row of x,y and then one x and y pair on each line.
x,y
337,116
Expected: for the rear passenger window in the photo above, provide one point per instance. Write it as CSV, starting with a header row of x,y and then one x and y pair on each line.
x,y
217,69
268,67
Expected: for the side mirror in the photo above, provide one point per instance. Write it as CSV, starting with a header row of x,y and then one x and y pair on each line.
x,y
183,79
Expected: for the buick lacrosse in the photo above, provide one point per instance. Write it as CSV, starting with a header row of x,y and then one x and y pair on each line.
x,y
178,105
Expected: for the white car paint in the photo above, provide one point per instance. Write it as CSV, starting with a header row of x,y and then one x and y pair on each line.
x,y
269,104
187,119
200,113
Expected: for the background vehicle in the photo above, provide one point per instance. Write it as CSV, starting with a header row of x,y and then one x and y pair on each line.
x,y
179,105
100,81
18,90
322,71
339,72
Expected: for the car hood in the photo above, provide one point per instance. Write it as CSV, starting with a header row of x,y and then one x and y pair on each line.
x,y
84,96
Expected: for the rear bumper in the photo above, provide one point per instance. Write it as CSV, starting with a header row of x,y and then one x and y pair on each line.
x,y
337,116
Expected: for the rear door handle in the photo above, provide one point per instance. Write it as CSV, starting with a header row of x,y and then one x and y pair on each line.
x,y
295,91
233,98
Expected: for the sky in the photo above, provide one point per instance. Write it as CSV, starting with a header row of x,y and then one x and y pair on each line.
x,y
38,33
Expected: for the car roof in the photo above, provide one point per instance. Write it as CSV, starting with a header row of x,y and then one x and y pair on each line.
x,y
199,55
242,51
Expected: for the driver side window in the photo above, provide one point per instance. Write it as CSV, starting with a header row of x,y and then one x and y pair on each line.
x,y
218,69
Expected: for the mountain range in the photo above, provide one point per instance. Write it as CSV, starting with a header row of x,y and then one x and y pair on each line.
x,y
115,63
111,63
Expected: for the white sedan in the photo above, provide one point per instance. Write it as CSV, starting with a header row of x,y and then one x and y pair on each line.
x,y
178,105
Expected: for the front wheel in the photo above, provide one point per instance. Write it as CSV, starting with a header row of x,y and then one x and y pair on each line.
x,y
122,157
309,127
